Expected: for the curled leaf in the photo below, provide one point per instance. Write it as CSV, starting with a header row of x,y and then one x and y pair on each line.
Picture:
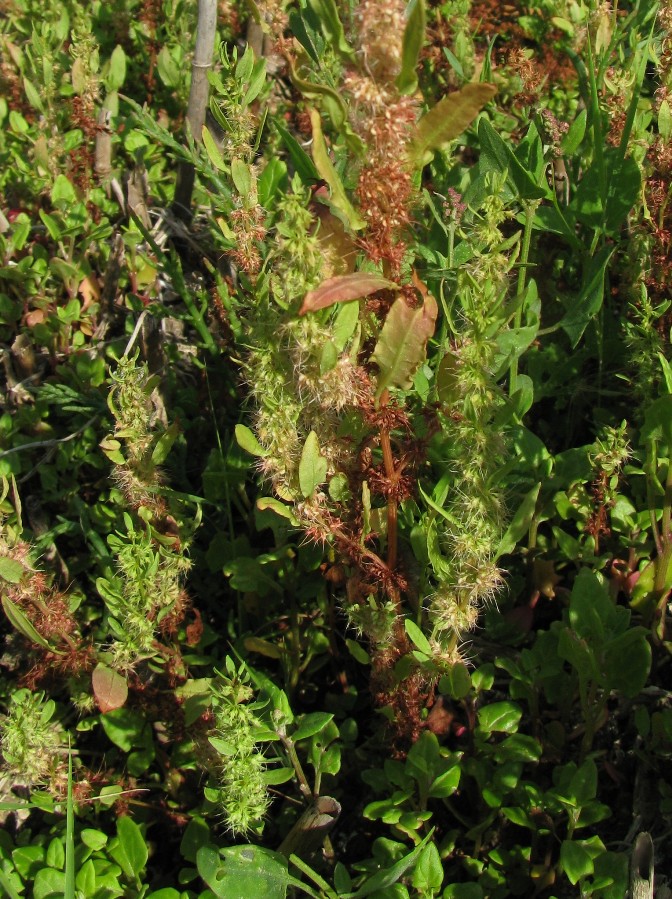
x,y
343,289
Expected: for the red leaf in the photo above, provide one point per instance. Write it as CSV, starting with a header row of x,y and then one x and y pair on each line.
x,y
343,289
109,688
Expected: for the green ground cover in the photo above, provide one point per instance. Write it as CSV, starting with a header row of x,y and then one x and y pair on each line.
x,y
335,434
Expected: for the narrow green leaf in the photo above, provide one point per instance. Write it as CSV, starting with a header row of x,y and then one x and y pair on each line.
x,y
520,523
402,343
116,73
302,162
325,167
345,324
213,151
24,626
572,140
497,156
242,177
417,637
447,120
164,444
312,467
414,36
381,880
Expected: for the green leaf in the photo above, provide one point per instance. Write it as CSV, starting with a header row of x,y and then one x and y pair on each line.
x,y
302,162
246,440
583,785
256,82
213,151
327,15
273,777
345,324
271,181
402,343
164,444
63,193
85,881
24,626
381,880
241,872
326,170
312,467
116,73
417,637
463,891
280,508
414,36
94,839
627,662
344,289
11,570
311,724
242,177
49,884
447,120
497,156
499,717
428,873
589,301
576,861
658,420
167,67
665,120
358,652
520,523
457,682
331,101
126,728
445,784
572,140
131,851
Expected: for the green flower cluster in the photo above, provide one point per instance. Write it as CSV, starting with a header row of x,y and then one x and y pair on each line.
x,y
241,766
32,744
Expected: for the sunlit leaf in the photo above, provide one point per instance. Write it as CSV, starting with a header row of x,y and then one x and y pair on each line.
x,y
447,120
312,467
343,289
402,343
414,36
